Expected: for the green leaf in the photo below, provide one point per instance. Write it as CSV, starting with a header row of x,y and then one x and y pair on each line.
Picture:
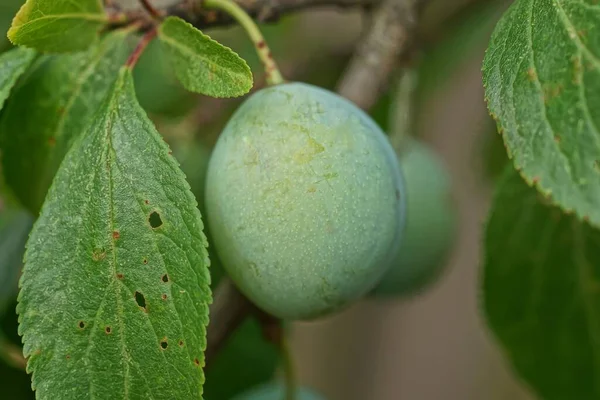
x,y
246,361
57,25
542,291
59,96
542,78
115,289
202,64
14,231
13,64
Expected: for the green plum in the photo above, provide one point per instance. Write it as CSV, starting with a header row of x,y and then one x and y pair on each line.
x,y
431,222
305,201
276,391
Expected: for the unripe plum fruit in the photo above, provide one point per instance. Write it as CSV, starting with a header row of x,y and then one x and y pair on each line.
x,y
430,223
276,391
305,201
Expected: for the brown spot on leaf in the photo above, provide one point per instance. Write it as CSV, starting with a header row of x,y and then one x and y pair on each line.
x,y
196,362
180,343
165,278
108,330
116,235
164,296
51,141
81,325
119,276
68,357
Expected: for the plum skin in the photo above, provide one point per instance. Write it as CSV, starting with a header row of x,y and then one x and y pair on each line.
x,y
431,224
276,391
305,201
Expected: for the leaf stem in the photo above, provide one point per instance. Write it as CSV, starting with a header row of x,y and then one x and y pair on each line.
x,y
139,49
272,72
151,10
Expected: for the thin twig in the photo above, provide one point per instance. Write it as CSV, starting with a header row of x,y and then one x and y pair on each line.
x,y
261,10
151,10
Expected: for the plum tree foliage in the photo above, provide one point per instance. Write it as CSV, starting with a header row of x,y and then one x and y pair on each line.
x,y
119,228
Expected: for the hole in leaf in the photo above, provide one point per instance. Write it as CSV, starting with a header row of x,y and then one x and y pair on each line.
x,y
145,260
164,296
140,300
155,220
108,330
164,344
165,278
81,324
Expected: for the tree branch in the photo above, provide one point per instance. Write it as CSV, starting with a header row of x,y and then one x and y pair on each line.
x,y
391,33
261,10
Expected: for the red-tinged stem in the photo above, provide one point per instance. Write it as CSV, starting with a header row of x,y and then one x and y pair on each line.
x,y
151,10
139,49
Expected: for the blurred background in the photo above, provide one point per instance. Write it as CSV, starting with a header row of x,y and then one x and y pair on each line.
x,y
430,346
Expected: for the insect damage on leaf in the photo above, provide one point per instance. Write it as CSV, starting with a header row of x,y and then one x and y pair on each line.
x,y
115,301
542,79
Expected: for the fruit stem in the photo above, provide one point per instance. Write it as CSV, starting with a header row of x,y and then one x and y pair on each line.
x,y
289,374
273,76
401,123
